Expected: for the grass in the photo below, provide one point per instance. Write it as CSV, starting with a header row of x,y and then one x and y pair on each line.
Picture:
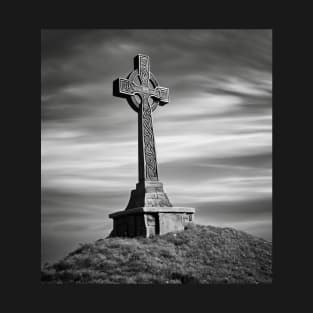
x,y
197,255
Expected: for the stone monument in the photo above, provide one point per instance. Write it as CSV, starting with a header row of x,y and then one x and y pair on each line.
x,y
149,211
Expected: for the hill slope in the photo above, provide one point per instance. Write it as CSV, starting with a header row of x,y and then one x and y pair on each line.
x,y
200,254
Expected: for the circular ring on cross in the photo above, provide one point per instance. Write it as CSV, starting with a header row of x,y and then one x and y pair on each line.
x,y
135,100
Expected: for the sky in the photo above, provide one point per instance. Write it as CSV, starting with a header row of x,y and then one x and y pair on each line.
x,y
213,139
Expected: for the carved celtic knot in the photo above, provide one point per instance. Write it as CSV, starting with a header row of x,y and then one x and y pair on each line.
x,y
149,148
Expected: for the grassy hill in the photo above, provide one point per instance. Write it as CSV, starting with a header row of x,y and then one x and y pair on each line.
x,y
200,254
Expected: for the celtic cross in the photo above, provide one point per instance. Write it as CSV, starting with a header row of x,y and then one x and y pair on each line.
x,y
143,93
149,211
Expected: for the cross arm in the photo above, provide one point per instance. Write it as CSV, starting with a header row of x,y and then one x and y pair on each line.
x,y
161,93
123,87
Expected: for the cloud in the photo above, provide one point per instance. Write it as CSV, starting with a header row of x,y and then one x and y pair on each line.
x,y
78,58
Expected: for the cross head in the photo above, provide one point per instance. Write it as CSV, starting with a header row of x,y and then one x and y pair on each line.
x,y
143,83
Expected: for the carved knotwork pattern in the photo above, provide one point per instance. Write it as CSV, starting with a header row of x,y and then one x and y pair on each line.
x,y
126,86
149,148
144,70
163,94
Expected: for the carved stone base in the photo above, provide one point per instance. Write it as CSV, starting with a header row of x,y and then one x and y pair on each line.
x,y
148,194
150,221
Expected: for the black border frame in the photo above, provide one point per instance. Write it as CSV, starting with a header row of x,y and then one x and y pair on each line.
x,y
26,286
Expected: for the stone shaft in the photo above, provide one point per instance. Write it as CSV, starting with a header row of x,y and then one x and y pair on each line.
x,y
147,162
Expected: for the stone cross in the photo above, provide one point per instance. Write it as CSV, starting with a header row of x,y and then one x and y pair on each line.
x,y
149,211
143,93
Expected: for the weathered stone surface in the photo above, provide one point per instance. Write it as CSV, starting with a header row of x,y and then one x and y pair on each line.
x,y
151,221
148,194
